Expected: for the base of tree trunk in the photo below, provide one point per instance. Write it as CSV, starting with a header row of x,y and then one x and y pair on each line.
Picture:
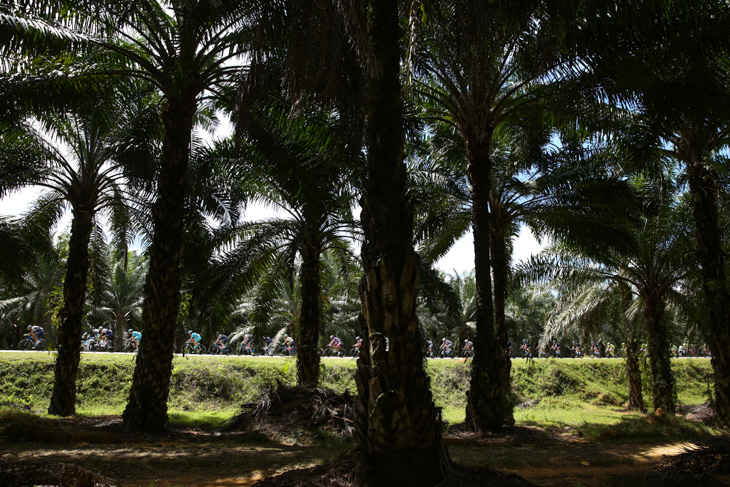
x,y
341,473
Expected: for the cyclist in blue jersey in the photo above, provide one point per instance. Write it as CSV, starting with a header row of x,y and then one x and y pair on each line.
x,y
194,339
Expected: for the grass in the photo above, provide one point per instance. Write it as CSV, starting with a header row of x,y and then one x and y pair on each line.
x,y
585,396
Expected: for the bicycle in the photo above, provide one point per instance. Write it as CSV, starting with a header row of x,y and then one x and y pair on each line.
x,y
287,351
331,352
355,351
130,346
245,349
194,348
216,348
27,343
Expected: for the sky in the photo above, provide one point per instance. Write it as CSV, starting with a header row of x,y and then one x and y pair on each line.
x,y
459,259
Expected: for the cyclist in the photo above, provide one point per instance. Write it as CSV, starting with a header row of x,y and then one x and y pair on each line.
x,y
289,344
356,347
135,337
526,349
575,349
267,345
429,349
555,349
335,344
36,333
611,350
445,347
105,337
468,348
595,350
194,339
221,341
248,343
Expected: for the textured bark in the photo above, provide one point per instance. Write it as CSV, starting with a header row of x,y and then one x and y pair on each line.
x,y
147,406
503,403
663,394
309,318
398,428
633,372
489,404
703,187
63,398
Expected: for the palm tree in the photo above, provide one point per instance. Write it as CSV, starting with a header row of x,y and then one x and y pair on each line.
x,y
33,295
88,179
122,297
674,75
398,431
481,68
652,265
188,50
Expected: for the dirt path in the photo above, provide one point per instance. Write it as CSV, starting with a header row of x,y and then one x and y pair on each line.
x,y
211,458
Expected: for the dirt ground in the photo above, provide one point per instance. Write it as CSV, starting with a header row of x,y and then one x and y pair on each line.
x,y
211,457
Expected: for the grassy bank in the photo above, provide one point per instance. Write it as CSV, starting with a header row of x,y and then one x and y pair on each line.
x,y
588,395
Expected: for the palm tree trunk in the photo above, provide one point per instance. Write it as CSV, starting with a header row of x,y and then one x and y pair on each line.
x,y
63,398
147,406
659,354
489,393
633,372
119,331
704,189
309,318
500,363
398,429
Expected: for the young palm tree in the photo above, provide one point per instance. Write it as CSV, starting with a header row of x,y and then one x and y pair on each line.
x,y
33,294
122,297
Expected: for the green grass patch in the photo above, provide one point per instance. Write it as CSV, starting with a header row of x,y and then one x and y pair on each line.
x,y
586,396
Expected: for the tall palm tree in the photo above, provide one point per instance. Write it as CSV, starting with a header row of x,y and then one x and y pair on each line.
x,y
191,51
672,69
483,64
87,177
